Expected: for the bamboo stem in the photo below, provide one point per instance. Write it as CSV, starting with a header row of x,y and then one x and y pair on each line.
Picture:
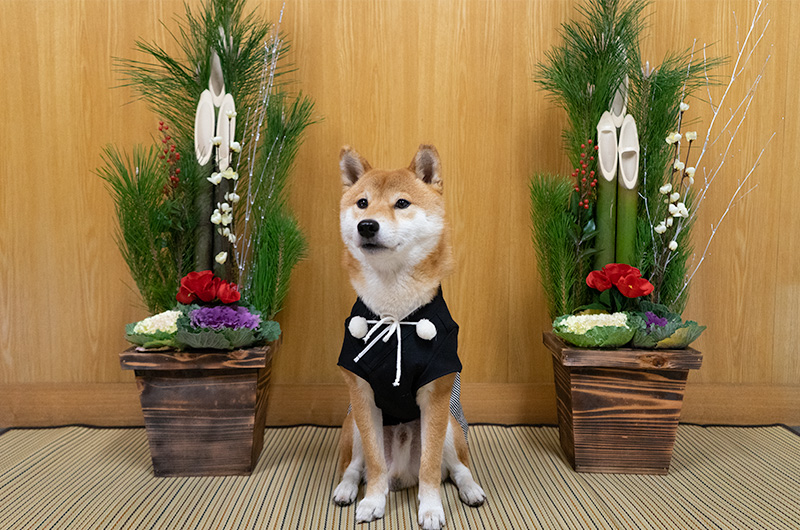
x,y
606,219
203,256
627,204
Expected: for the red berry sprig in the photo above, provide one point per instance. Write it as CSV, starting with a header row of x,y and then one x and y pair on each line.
x,y
585,180
171,157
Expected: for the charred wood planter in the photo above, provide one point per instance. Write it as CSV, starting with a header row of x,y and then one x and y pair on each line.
x,y
204,411
618,410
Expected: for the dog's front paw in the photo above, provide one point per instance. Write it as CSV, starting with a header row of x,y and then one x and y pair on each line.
x,y
431,515
345,493
370,508
472,495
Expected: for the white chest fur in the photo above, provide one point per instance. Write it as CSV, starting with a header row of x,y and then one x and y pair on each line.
x,y
392,293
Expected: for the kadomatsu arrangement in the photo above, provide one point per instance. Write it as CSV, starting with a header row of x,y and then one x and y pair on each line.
x,y
204,224
613,237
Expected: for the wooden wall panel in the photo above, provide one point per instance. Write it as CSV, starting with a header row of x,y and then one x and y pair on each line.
x,y
386,76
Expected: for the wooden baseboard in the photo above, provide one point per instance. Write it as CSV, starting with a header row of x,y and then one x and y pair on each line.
x,y
117,404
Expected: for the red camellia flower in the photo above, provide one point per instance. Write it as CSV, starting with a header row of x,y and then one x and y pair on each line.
x,y
628,280
598,280
206,287
634,286
228,292
202,285
616,271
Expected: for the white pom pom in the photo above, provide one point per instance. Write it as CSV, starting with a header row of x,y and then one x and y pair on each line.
x,y
358,327
425,329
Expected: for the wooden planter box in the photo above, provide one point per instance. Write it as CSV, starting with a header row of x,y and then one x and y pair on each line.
x,y
618,410
204,411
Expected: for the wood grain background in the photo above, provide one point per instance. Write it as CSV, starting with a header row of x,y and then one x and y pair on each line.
x,y
386,77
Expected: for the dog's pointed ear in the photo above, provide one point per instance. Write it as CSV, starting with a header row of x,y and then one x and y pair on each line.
x,y
427,166
352,165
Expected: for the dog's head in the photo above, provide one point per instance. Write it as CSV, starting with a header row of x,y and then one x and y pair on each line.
x,y
392,219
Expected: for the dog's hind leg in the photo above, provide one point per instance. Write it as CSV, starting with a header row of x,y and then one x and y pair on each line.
x,y
351,463
456,462
369,425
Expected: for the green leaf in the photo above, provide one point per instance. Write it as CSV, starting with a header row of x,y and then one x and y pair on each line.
x,y
675,335
269,330
239,338
593,308
659,310
682,337
573,208
203,340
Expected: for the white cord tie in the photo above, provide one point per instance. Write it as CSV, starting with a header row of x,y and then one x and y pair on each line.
x,y
358,329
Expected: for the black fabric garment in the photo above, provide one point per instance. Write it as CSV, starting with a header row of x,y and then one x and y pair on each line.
x,y
423,360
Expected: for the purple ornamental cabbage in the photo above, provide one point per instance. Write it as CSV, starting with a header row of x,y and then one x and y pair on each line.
x,y
222,316
654,320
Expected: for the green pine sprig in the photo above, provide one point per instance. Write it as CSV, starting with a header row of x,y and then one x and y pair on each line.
x,y
171,85
583,72
276,241
152,234
553,229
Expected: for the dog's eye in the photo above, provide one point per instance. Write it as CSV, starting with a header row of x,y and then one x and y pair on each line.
x,y
402,204
362,203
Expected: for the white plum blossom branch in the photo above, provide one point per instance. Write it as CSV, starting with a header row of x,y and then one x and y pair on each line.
x,y
746,102
253,127
731,127
734,200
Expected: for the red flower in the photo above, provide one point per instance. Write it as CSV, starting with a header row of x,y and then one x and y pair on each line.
x,y
228,292
628,280
634,286
200,285
207,288
616,271
598,280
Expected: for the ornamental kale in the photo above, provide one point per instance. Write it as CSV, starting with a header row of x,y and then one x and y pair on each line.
x,y
658,327
651,320
221,316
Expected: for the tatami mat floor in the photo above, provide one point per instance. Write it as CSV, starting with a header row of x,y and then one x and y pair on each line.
x,y
87,478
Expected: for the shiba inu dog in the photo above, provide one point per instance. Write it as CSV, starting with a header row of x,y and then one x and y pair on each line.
x,y
399,356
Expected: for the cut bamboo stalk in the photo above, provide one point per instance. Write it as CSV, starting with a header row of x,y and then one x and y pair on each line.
x,y
606,212
627,191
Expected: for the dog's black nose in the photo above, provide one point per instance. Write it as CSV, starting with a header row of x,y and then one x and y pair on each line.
x,y
368,228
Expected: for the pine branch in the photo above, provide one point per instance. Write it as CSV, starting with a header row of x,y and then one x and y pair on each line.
x,y
146,225
556,258
582,74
